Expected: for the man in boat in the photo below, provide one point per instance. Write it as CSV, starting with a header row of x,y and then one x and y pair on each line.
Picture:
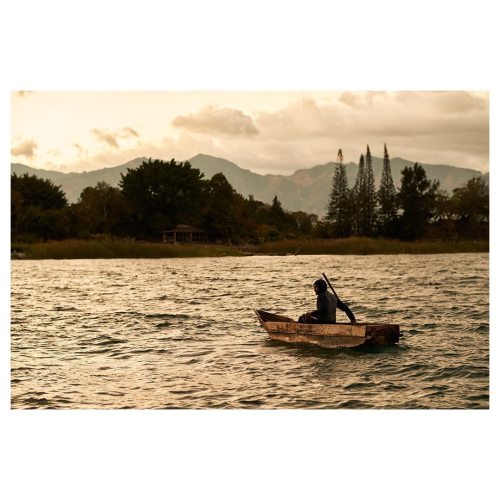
x,y
326,306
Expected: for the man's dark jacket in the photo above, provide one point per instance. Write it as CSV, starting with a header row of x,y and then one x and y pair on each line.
x,y
326,306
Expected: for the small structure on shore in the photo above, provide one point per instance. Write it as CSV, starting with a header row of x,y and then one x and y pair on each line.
x,y
185,234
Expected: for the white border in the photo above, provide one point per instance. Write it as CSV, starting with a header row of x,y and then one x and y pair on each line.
x,y
223,45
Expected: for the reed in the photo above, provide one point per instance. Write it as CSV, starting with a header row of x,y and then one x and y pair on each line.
x,y
368,246
129,249
119,249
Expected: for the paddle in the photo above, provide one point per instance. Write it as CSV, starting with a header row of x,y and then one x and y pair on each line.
x,y
330,285
344,307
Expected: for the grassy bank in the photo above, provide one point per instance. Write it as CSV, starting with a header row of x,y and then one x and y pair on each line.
x,y
368,246
117,249
128,249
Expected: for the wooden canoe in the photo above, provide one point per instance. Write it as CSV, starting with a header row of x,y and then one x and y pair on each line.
x,y
328,335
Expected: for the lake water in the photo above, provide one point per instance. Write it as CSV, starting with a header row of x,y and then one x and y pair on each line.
x,y
181,333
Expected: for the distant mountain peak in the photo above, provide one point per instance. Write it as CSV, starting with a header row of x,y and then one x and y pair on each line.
x,y
307,189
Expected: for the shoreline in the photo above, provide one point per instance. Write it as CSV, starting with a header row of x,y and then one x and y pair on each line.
x,y
129,249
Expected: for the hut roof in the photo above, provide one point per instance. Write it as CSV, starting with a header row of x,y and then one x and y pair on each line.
x,y
184,228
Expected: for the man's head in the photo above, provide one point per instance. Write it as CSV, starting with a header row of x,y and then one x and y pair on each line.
x,y
319,286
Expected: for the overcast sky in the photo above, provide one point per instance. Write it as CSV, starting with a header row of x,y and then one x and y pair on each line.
x,y
267,132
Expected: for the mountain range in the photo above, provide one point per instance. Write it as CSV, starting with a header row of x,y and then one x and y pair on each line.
x,y
306,189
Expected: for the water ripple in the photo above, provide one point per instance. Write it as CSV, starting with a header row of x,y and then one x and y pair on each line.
x,y
117,334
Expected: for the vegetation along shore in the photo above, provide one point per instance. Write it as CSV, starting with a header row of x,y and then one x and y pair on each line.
x,y
128,249
159,203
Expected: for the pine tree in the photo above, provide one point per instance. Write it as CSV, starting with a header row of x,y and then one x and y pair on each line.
x,y
356,196
387,199
339,206
277,213
367,197
417,197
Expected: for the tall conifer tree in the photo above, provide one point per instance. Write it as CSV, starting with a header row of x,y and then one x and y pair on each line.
x,y
356,196
339,206
367,198
387,199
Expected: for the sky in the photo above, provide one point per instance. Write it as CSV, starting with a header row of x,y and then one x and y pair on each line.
x,y
263,131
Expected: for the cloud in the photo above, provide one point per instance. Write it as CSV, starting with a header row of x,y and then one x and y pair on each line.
x,y
26,148
450,127
443,102
302,119
362,99
213,120
380,114
111,138
107,137
350,99
128,132
429,127
83,152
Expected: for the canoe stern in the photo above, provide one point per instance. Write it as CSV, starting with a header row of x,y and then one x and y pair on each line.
x,y
381,335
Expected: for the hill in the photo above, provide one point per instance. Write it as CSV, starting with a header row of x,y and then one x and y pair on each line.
x,y
306,189
75,182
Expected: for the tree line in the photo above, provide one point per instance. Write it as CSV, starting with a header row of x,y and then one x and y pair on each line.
x,y
160,195
419,209
154,197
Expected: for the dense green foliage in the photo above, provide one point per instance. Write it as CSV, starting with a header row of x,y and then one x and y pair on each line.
x,y
356,195
339,214
160,195
387,200
34,192
367,198
39,209
102,209
419,210
417,198
154,197
470,209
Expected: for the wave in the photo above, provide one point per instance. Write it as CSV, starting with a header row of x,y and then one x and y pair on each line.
x,y
160,344
167,316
